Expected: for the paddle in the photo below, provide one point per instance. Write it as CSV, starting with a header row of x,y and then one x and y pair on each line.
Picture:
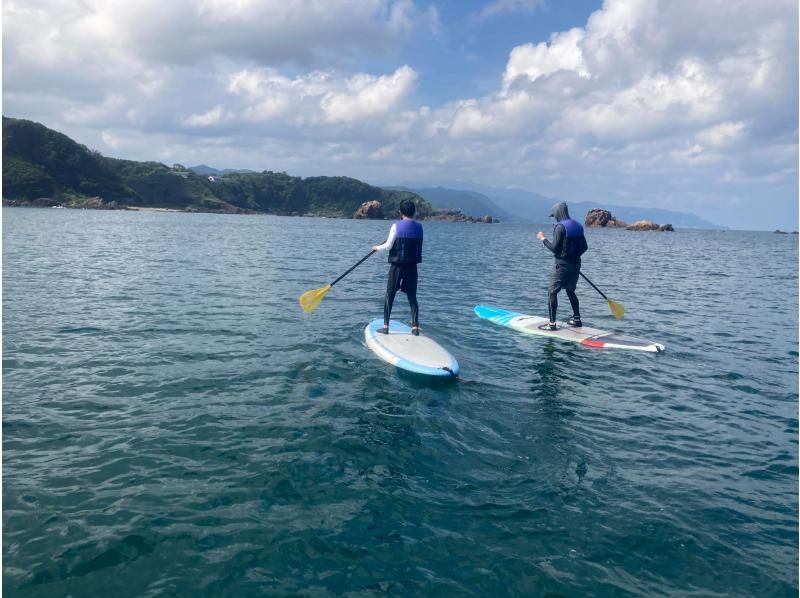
x,y
311,299
616,308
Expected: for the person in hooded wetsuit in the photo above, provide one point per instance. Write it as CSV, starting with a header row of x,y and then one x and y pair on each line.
x,y
568,245
405,252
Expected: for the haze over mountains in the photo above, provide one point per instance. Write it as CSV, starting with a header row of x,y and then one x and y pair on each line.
x,y
518,205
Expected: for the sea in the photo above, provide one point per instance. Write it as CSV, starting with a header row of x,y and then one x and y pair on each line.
x,y
173,424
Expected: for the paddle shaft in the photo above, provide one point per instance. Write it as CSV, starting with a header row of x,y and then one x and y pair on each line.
x,y
594,287
361,261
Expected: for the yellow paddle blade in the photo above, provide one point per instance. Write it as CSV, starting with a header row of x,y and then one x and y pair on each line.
x,y
310,299
616,308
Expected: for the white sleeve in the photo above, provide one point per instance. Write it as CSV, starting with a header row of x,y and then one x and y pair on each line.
x,y
390,240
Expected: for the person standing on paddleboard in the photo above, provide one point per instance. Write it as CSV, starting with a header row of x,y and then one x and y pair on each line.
x,y
569,244
405,252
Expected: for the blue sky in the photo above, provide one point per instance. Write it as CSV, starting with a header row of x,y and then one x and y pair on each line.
x,y
463,58
676,104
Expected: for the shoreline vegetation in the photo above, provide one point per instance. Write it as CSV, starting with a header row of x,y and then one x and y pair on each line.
x,y
45,168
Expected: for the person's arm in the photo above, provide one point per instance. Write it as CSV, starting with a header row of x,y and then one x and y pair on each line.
x,y
558,238
389,241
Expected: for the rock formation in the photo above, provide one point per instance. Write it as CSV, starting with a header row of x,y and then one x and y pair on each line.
x,y
370,210
456,215
643,225
649,225
602,218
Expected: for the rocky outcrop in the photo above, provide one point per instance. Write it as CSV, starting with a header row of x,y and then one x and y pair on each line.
x,y
369,210
649,225
642,225
39,202
90,203
597,217
94,203
457,215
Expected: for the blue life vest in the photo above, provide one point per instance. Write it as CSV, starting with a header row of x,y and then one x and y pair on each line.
x,y
407,246
574,245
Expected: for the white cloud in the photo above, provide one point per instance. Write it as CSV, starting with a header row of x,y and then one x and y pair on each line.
x,y
507,7
213,117
367,96
721,135
470,120
404,18
88,114
563,53
319,98
110,139
109,40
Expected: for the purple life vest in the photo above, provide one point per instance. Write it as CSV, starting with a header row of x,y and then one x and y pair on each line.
x,y
574,245
407,246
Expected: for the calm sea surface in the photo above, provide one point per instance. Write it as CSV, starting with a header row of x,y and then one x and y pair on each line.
x,y
174,424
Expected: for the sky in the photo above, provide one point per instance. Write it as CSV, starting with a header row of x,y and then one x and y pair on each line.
x,y
678,104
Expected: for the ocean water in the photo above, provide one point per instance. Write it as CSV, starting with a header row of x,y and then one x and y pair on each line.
x,y
175,425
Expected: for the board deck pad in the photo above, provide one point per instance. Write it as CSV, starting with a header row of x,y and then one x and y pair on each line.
x,y
420,354
585,335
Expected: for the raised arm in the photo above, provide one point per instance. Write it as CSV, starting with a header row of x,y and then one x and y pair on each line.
x,y
389,242
558,238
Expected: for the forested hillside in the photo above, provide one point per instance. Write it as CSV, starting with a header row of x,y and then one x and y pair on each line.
x,y
45,167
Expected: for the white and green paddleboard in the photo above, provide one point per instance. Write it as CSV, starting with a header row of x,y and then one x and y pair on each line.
x,y
590,337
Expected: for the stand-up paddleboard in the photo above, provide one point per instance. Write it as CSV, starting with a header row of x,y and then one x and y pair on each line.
x,y
590,337
420,354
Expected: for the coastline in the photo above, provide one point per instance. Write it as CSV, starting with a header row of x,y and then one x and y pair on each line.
x,y
143,209
442,216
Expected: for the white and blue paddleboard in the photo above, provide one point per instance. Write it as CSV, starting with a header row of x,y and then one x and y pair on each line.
x,y
419,354
584,335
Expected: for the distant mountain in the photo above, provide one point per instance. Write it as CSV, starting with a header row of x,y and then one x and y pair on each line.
x,y
631,214
525,206
209,170
43,167
471,203
530,207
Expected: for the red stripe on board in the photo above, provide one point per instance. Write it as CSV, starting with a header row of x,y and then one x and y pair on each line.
x,y
591,342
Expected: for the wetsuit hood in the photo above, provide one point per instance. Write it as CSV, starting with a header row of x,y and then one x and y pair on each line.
x,y
559,211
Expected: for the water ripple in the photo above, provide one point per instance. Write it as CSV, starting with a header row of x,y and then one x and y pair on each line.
x,y
175,425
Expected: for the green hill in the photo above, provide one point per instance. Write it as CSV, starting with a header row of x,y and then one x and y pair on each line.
x,y
45,167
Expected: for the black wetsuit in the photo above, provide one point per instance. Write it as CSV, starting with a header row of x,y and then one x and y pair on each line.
x,y
568,244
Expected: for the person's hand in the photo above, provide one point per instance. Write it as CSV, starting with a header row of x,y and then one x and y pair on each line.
x,y
540,236
374,248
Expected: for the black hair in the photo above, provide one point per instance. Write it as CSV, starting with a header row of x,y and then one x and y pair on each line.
x,y
407,208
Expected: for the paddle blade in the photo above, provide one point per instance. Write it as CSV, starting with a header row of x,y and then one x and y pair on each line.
x,y
616,308
310,299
